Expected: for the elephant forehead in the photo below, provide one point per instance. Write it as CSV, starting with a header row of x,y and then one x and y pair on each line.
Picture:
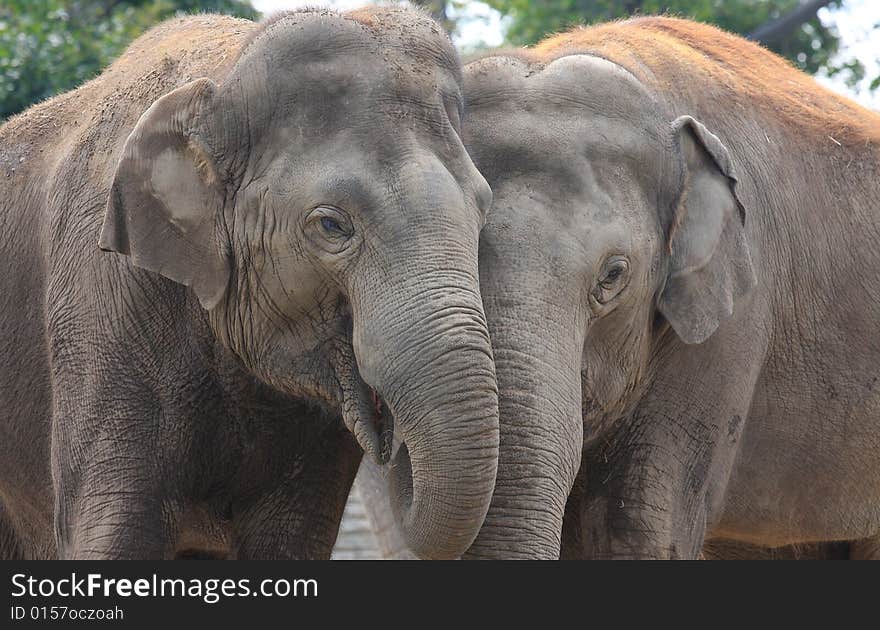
x,y
580,82
538,212
340,82
312,102
575,105
362,85
405,42
564,152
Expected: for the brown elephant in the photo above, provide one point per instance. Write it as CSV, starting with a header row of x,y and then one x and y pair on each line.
x,y
681,275
295,224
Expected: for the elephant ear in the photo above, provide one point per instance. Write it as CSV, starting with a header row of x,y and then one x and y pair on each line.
x,y
166,197
709,265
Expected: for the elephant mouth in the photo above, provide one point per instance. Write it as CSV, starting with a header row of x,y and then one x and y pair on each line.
x,y
382,426
364,412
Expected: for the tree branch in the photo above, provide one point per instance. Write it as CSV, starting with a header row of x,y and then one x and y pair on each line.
x,y
776,30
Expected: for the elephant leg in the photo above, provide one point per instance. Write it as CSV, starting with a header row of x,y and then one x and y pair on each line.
x,y
113,489
101,515
10,546
298,518
715,549
109,522
654,486
865,549
632,500
651,490
639,516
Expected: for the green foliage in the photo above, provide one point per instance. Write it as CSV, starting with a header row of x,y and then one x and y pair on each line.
x,y
50,46
810,47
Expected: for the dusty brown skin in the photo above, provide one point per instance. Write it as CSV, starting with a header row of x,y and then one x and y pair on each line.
x,y
681,274
290,223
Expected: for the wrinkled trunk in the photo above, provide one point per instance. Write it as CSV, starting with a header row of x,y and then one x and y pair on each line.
x,y
429,358
371,486
537,361
421,344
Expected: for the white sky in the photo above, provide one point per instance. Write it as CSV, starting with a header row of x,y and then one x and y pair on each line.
x,y
481,26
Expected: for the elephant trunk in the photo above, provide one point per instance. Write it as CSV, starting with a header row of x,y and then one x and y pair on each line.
x,y
537,362
431,363
371,485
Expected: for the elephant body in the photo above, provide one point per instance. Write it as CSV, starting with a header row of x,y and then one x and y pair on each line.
x,y
681,275
196,392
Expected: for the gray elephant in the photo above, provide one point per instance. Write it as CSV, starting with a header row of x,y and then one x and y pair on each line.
x,y
295,221
681,274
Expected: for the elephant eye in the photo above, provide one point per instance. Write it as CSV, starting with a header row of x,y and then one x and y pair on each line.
x,y
331,225
615,273
329,228
333,221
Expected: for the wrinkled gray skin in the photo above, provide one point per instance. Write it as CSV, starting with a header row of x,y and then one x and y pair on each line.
x,y
295,222
703,350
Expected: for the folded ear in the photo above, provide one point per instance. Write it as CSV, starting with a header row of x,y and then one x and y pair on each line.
x,y
165,198
709,265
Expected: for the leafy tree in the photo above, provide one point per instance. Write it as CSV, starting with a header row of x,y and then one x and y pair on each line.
x,y
802,38
50,46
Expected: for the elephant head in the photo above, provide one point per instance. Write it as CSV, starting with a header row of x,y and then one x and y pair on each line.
x,y
318,201
614,222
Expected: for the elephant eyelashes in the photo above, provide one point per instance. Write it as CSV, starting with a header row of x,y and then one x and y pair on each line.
x,y
331,225
614,276
329,228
